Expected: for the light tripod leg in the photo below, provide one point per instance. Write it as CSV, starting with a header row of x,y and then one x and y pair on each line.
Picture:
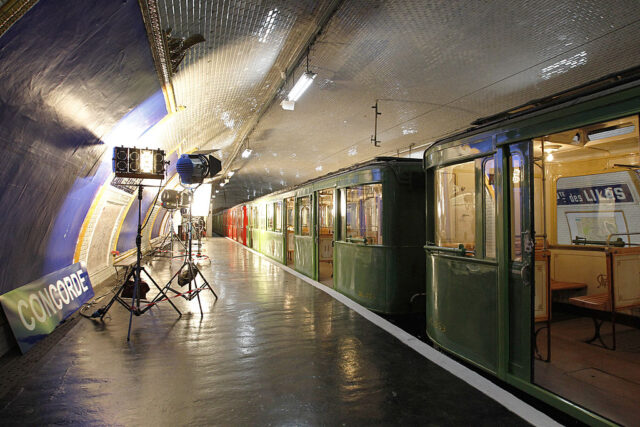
x,y
195,283
161,293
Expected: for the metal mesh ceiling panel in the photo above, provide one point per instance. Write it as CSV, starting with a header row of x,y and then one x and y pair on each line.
x,y
435,67
224,82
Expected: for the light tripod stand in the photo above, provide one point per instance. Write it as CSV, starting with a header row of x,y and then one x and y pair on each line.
x,y
172,237
136,272
192,268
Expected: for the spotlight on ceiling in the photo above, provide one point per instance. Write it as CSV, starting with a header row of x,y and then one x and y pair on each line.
x,y
301,85
246,153
230,174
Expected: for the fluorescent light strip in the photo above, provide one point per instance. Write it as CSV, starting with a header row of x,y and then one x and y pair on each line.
x,y
301,85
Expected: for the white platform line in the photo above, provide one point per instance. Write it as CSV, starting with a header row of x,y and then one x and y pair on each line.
x,y
503,397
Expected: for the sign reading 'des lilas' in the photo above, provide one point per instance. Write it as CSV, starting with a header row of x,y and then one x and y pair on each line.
x,y
34,310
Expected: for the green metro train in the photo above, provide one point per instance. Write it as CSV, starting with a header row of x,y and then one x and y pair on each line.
x,y
522,234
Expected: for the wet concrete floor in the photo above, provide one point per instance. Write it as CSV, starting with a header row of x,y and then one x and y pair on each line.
x,y
273,350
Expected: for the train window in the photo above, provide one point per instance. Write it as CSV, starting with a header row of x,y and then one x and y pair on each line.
x,y
456,206
516,173
290,214
278,216
256,217
262,219
489,199
596,209
269,216
364,213
304,216
325,211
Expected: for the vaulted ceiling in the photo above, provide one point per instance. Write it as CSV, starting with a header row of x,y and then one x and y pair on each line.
x,y
432,66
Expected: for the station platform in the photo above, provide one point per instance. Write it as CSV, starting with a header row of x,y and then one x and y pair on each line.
x,y
275,349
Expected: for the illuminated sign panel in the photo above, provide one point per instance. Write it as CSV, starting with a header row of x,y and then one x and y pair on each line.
x,y
36,309
616,193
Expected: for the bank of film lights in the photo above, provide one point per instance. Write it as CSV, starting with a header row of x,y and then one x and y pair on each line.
x,y
138,163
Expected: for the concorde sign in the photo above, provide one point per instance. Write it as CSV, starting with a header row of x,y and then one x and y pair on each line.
x,y
34,310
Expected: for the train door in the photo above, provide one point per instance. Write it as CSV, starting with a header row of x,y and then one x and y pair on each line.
x,y
245,222
250,226
325,235
521,256
290,244
464,303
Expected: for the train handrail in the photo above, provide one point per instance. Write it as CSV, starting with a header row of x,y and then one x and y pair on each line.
x,y
460,250
356,240
635,233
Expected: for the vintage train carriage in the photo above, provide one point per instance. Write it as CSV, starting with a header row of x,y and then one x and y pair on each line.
x,y
359,230
534,217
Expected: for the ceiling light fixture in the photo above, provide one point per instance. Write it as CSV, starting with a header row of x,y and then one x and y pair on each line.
x,y
222,184
247,151
230,174
301,86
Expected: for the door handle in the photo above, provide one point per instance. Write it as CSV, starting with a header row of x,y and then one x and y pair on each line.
x,y
525,274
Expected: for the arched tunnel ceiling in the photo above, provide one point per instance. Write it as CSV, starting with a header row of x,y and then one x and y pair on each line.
x,y
435,67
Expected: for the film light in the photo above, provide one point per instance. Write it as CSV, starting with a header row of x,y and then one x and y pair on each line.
x,y
194,168
170,199
138,163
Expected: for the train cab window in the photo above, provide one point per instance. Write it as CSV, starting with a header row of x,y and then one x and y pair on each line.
x,y
364,213
278,216
304,216
456,206
489,200
270,216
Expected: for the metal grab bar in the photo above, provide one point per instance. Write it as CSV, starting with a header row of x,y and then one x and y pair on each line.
x,y
635,233
356,240
619,243
460,250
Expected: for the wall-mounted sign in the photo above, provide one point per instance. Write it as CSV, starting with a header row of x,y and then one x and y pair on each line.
x,y
614,193
34,310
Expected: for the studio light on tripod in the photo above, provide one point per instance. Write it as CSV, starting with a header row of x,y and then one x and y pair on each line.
x,y
138,163
170,199
194,168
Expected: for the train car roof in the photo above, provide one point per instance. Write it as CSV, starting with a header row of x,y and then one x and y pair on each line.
x,y
609,83
372,162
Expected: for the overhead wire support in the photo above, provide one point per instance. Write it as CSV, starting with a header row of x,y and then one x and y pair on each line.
x,y
374,137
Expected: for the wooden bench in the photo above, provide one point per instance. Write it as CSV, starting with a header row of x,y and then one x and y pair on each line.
x,y
593,302
563,286
622,291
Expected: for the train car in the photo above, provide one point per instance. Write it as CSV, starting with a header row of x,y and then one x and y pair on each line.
x,y
359,230
533,253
